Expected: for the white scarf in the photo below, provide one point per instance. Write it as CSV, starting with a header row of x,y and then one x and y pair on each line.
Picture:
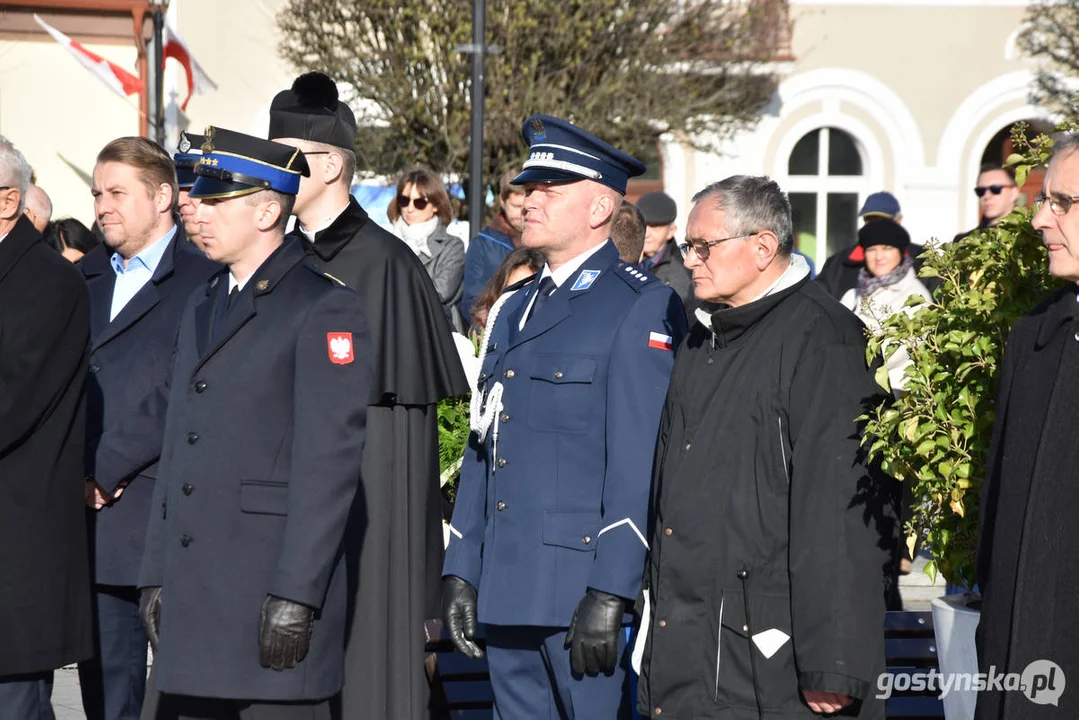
x,y
415,236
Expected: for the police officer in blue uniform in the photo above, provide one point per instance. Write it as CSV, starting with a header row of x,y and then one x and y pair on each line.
x,y
547,542
243,579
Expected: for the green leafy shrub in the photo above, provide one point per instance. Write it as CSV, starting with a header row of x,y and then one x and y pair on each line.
x,y
936,435
453,431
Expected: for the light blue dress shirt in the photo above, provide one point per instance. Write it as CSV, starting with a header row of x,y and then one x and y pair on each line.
x,y
139,270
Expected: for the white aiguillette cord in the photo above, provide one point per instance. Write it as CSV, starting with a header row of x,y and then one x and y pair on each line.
x,y
484,414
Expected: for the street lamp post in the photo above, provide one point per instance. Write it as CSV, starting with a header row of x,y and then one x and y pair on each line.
x,y
476,193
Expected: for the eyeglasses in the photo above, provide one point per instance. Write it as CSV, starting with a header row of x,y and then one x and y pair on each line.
x,y
1058,204
419,203
995,189
704,248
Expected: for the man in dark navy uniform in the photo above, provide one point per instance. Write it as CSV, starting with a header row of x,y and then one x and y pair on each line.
x,y
243,577
547,541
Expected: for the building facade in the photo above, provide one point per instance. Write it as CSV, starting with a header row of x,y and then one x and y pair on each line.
x,y
908,96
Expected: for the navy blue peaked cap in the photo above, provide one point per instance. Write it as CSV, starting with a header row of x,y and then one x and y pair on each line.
x,y
234,164
560,152
188,157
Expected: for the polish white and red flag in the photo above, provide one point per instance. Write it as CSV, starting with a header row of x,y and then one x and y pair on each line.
x,y
659,341
173,46
122,82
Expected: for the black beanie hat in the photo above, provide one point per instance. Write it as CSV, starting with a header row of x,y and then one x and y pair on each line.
x,y
884,231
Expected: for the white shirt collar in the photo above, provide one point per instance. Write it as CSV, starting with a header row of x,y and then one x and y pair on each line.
x,y
234,283
566,270
310,234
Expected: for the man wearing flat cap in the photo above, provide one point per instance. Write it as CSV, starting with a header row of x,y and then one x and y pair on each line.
x,y
244,588
398,521
548,534
661,256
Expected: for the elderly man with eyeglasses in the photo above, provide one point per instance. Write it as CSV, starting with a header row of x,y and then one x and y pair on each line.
x,y
764,588
1030,493
997,194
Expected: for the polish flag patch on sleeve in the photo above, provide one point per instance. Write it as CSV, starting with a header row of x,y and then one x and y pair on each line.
x,y
659,341
339,347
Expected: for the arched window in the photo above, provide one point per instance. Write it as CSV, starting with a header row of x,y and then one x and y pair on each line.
x,y
826,174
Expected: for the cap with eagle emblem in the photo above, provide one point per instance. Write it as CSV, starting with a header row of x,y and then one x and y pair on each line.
x,y
560,152
185,160
234,164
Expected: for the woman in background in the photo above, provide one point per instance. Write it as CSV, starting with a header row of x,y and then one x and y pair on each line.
x,y
420,213
518,265
70,238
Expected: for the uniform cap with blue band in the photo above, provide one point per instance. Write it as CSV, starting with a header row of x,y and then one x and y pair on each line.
x,y
560,152
186,160
233,164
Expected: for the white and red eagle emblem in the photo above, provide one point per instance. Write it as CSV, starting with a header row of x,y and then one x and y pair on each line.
x,y
339,346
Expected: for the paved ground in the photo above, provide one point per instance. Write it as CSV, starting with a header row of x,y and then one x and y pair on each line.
x,y
916,590
66,701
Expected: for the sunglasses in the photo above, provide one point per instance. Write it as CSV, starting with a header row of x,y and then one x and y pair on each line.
x,y
418,203
995,189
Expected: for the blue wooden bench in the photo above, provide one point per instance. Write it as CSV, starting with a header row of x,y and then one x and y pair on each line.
x,y
461,688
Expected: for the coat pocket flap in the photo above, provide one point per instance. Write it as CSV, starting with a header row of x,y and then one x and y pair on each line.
x,y
573,530
769,617
561,369
263,497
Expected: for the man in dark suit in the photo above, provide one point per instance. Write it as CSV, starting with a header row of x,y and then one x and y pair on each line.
x,y
547,542
139,282
243,576
45,619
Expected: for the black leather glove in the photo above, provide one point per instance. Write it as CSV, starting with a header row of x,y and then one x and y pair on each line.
x,y
150,613
284,632
593,633
459,614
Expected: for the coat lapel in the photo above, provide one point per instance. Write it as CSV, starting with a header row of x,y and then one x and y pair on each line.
x,y
558,306
100,281
143,302
262,282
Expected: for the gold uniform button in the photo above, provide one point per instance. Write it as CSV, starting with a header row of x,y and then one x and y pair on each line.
x,y
587,539
501,462
504,417
500,506
510,374
663,623
668,532
558,375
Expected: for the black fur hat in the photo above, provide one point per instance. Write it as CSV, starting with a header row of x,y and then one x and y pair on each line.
x,y
311,110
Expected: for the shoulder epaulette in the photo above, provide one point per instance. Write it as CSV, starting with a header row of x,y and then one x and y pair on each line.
x,y
635,278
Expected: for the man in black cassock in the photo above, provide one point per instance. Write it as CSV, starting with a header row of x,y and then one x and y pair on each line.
x,y
396,548
1027,537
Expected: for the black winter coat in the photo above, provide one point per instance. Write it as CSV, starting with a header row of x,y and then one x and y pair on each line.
x,y
127,395
1028,537
44,561
768,542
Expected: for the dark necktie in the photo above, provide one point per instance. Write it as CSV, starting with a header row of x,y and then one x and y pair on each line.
x,y
543,292
232,297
